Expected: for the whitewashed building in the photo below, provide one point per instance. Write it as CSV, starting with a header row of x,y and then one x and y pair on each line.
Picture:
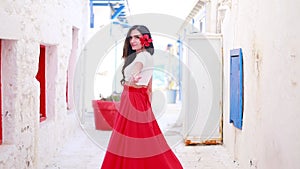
x,y
40,42
268,34
44,39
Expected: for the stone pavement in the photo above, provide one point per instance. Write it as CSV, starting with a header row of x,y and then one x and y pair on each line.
x,y
85,149
81,152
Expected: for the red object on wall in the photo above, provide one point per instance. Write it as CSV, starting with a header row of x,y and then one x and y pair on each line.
x,y
0,95
41,77
104,114
67,94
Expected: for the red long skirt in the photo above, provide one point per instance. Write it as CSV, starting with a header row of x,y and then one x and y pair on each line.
x,y
137,141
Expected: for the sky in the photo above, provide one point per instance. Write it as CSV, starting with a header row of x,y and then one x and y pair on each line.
x,y
178,8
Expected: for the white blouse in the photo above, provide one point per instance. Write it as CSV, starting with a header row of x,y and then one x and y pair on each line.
x,y
146,73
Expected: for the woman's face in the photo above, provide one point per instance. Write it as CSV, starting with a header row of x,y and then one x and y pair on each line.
x,y
134,40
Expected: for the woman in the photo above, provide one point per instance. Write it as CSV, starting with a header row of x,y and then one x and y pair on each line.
x,y
136,141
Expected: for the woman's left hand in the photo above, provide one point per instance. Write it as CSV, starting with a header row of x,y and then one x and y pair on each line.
x,y
135,79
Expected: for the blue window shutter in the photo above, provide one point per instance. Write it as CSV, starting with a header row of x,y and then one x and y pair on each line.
x,y
236,87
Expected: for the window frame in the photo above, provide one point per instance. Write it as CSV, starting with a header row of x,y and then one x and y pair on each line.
x,y
236,88
41,77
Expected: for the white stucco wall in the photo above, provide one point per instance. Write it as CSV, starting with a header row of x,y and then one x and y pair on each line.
x,y
268,33
24,25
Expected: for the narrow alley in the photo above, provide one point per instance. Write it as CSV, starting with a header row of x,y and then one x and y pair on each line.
x,y
80,152
224,80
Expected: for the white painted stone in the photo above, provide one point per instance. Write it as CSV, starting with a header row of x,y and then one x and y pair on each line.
x,y
25,25
268,33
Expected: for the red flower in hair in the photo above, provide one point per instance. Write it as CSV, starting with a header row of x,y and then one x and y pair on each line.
x,y
145,40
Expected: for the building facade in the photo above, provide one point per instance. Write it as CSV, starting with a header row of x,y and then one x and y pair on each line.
x,y
268,34
40,42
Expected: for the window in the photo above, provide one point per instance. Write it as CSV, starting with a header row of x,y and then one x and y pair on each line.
x,y
41,77
236,88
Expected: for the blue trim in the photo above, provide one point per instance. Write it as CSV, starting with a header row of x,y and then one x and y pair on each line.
x,y
91,15
117,12
101,4
125,25
236,87
235,52
180,46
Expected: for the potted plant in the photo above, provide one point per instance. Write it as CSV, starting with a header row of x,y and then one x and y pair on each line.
x,y
105,110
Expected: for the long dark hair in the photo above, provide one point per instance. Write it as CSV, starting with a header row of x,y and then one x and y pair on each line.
x,y
129,54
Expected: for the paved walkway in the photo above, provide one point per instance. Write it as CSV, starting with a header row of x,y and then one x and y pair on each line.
x,y
80,152
83,150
